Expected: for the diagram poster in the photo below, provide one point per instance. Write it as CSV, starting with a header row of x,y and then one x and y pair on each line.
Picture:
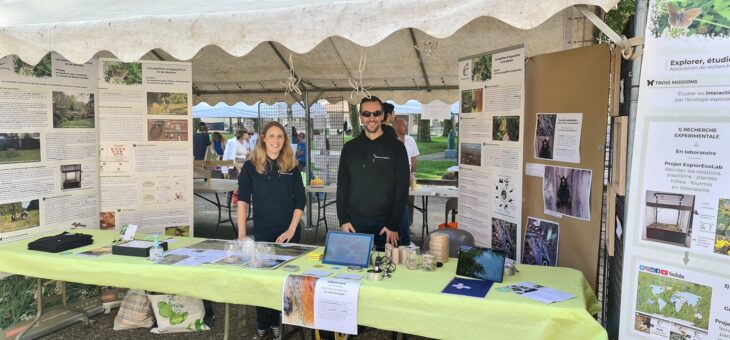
x,y
680,185
49,176
145,129
491,144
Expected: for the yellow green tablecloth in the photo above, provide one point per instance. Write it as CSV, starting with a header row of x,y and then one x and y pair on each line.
x,y
410,302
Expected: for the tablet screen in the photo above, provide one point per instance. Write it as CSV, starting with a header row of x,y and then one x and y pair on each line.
x,y
348,249
480,263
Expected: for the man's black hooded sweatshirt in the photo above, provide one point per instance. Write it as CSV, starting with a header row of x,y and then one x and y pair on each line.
x,y
372,181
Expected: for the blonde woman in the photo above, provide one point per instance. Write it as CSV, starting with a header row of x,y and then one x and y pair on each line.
x,y
271,179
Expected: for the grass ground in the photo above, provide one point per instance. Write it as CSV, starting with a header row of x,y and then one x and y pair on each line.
x,y
79,123
7,225
20,156
436,145
432,169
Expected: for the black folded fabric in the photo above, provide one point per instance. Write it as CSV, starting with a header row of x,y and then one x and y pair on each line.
x,y
61,242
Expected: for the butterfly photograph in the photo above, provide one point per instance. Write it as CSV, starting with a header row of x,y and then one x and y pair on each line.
x,y
675,19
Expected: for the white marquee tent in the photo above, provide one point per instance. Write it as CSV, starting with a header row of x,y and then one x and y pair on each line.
x,y
240,50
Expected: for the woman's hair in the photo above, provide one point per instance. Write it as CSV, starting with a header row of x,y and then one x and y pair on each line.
x,y
217,137
286,158
240,133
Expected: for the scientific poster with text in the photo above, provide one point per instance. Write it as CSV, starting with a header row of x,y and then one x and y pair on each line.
x,y
49,172
679,198
491,144
145,129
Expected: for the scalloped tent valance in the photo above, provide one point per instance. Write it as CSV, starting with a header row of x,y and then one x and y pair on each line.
x,y
239,49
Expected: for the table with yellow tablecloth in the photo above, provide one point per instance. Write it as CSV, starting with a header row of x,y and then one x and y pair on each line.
x,y
410,302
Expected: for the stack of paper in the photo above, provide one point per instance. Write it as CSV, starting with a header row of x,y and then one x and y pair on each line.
x,y
539,293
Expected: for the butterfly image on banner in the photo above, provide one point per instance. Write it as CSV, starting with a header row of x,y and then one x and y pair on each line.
x,y
358,87
682,19
292,83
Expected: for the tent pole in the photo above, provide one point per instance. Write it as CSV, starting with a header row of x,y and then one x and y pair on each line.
x,y
642,10
307,171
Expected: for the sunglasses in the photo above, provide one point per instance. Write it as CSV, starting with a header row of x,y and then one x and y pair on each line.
x,y
368,113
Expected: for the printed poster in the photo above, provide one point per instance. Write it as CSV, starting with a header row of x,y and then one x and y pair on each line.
x,y
557,136
491,133
676,303
320,303
679,184
145,129
48,140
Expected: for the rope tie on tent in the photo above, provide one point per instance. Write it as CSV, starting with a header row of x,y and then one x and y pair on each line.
x,y
292,82
358,87
427,48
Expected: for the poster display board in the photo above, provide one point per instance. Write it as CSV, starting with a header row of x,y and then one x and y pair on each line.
x,y
145,129
677,255
567,102
48,146
96,145
491,147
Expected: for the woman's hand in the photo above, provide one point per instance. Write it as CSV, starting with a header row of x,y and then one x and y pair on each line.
x,y
286,236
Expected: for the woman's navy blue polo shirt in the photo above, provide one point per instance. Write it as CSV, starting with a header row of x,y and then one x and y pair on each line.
x,y
275,195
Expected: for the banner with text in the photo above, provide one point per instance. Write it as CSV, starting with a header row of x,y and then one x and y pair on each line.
x,y
49,162
145,135
677,256
491,147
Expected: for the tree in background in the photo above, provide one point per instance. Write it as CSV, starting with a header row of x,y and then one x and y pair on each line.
x,y
448,125
424,130
354,120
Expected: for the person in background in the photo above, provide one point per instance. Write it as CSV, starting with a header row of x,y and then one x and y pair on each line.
x,y
243,147
253,137
302,151
294,135
388,116
201,142
372,179
271,179
231,152
218,145
401,130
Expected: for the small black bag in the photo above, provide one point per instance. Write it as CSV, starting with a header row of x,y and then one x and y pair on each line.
x,y
61,242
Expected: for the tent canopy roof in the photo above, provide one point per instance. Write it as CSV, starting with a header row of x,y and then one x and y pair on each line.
x,y
240,48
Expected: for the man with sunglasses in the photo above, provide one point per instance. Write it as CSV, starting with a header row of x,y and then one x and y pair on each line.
x,y
372,180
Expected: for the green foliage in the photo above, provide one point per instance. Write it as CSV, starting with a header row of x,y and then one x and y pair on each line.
x,y
43,69
468,264
18,302
122,73
618,17
713,20
647,301
481,69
